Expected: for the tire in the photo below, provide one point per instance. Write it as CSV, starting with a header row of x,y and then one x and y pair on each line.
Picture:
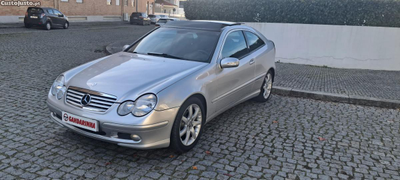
x,y
47,26
194,126
266,88
66,25
28,25
143,23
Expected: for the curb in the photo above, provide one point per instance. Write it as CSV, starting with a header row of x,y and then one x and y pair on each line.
x,y
323,96
342,98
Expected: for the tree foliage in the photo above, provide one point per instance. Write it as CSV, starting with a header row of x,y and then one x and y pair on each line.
x,y
337,12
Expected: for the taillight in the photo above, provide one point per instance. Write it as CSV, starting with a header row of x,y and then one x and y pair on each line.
x,y
26,13
42,15
141,17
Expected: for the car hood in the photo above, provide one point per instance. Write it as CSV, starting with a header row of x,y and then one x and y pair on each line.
x,y
128,75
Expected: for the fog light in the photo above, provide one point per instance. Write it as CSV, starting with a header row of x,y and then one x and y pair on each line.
x,y
135,137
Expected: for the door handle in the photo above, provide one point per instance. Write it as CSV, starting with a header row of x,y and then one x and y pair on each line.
x,y
251,61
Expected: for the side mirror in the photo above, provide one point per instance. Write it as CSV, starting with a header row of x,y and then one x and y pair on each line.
x,y
125,47
229,63
61,15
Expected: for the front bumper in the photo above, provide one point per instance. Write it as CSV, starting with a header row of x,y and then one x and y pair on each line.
x,y
154,135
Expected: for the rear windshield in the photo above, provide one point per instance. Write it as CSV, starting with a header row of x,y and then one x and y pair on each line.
x,y
139,14
163,21
35,10
186,44
152,16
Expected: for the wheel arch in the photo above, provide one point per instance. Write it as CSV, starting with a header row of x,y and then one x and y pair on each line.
x,y
273,73
201,98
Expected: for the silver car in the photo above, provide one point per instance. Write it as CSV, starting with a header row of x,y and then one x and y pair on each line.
x,y
161,90
154,18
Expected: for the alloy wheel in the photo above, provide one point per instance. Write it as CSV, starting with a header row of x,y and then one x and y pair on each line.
x,y
267,85
190,125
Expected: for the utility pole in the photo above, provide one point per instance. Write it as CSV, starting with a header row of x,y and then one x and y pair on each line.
x,y
137,4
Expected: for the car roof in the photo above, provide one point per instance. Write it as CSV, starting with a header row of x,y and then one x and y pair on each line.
x,y
201,24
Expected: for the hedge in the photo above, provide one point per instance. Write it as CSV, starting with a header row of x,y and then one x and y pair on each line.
x,y
337,12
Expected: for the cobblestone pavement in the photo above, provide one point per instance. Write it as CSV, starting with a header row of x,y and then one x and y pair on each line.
x,y
290,138
367,83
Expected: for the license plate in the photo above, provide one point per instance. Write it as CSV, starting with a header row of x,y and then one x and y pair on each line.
x,y
134,17
34,17
81,122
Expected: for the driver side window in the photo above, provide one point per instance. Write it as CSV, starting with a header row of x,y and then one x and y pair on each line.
x,y
235,45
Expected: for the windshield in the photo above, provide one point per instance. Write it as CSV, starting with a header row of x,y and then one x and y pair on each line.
x,y
187,44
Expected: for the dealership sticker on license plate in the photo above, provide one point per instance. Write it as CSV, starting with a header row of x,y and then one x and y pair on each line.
x,y
34,17
81,122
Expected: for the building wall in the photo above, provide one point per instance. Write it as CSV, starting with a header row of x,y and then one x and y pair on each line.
x,y
92,8
355,47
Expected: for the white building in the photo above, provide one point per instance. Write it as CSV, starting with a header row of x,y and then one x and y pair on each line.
x,y
169,7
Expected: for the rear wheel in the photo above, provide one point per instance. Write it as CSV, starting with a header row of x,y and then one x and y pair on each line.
x,y
266,88
28,25
188,125
47,26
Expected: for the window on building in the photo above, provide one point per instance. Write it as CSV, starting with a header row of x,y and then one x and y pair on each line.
x,y
79,1
125,2
133,3
64,0
117,2
109,2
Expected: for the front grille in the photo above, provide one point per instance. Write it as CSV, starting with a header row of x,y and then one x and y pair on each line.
x,y
99,102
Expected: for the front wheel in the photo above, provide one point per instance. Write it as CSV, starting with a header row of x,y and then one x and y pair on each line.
x,y
66,25
188,125
266,88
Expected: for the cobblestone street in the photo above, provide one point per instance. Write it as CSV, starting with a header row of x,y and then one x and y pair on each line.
x,y
285,138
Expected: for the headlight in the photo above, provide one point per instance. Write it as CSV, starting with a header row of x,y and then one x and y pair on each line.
x,y
58,88
142,106
125,108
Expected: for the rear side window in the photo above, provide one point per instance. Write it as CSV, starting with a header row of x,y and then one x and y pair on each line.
x,y
35,10
235,45
253,41
50,11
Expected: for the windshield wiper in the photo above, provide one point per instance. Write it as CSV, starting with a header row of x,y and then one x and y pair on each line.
x,y
163,55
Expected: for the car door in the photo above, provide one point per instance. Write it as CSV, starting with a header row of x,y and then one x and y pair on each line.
x,y
58,20
255,43
233,84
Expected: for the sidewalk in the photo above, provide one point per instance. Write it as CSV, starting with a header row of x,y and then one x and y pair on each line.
x,y
354,86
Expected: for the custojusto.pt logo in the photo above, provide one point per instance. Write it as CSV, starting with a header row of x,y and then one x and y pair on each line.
x,y
20,3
